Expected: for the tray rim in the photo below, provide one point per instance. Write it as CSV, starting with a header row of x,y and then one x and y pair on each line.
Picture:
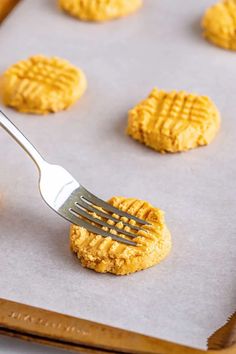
x,y
6,6
46,327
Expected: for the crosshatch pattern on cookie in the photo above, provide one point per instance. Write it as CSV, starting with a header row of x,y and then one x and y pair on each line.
x,y
42,85
106,255
175,121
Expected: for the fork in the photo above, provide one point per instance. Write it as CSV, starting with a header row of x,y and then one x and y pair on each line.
x,y
68,198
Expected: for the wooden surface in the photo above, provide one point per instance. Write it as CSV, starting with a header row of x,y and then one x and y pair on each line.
x,y
5,7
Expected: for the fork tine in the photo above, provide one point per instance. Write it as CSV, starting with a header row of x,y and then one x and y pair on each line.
x,y
87,225
106,206
90,207
86,215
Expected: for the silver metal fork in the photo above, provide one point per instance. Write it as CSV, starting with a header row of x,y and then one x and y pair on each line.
x,y
70,199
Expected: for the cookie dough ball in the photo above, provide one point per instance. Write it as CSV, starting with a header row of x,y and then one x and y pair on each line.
x,y
42,85
174,121
99,10
105,255
219,24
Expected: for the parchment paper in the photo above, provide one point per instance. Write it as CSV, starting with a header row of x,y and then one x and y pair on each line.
x,y
192,292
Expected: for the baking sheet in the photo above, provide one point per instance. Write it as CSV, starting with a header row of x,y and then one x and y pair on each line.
x,y
188,295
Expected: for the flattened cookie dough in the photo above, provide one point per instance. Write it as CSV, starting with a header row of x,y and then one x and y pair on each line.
x,y
41,85
99,10
174,121
219,24
105,255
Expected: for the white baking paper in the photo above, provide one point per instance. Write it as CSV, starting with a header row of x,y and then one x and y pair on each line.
x,y
192,292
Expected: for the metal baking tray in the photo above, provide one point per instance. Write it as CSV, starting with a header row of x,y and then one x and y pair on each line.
x,y
189,295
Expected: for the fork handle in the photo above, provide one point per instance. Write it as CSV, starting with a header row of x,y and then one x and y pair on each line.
x,y
21,140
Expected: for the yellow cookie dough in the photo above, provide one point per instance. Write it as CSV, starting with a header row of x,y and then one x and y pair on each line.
x,y
174,121
105,255
42,85
99,10
219,24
